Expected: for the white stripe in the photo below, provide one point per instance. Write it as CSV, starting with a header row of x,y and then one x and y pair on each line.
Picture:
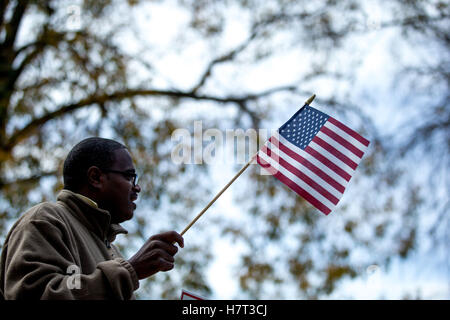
x,y
298,181
313,160
345,136
332,158
339,147
306,171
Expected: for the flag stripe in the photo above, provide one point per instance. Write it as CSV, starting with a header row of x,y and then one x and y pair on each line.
x,y
276,153
301,175
307,196
294,179
351,132
310,158
307,165
344,151
331,157
349,162
328,163
345,136
342,141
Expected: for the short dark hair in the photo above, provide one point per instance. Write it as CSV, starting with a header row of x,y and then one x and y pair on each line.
x,y
89,152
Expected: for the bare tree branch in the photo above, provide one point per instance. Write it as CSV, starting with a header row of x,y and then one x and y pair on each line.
x,y
3,6
224,58
12,28
33,125
30,179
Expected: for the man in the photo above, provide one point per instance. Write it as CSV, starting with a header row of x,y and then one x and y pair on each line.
x,y
64,250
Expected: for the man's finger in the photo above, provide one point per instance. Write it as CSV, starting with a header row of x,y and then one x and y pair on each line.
x,y
166,265
164,255
158,244
170,237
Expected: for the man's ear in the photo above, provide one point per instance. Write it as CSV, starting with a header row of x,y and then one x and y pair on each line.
x,y
95,178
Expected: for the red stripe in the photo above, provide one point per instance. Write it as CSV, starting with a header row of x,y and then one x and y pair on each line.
x,y
266,165
328,163
351,132
342,141
308,165
300,191
313,184
190,295
335,152
263,163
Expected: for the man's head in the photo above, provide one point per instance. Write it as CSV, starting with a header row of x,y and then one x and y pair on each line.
x,y
103,170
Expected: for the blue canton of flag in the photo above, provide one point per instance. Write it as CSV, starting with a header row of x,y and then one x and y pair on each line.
x,y
303,126
315,155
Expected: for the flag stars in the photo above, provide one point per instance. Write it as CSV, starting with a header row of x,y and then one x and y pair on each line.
x,y
301,129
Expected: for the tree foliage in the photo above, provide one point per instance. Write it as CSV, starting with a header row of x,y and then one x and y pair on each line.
x,y
68,71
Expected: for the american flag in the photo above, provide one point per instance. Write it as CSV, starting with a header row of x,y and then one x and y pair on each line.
x,y
186,295
315,155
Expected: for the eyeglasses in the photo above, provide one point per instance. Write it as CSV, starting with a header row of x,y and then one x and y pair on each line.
x,y
130,176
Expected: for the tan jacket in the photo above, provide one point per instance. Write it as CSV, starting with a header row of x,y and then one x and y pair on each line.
x,y
63,250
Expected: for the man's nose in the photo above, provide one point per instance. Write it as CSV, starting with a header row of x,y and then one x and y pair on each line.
x,y
137,188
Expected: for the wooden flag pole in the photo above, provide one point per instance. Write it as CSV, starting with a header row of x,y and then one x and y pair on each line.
x,y
229,183
217,196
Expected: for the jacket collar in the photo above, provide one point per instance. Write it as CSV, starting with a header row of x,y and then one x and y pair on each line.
x,y
95,219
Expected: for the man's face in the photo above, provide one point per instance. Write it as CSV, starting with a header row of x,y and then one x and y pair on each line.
x,y
119,193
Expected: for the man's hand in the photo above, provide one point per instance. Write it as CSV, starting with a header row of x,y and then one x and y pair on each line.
x,y
156,254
